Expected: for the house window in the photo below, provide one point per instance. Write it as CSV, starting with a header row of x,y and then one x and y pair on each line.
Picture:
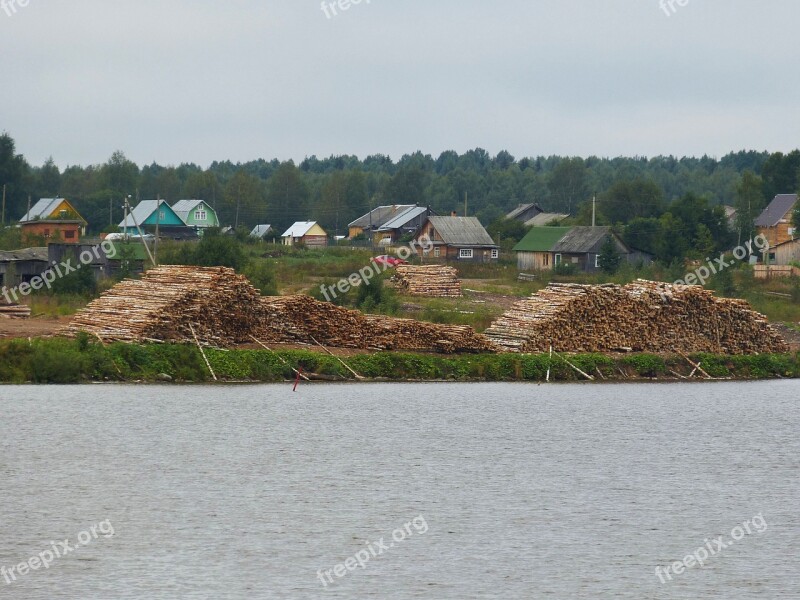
x,y
68,235
792,230
200,215
46,233
436,252
465,253
596,261
546,261
557,260
495,253
162,215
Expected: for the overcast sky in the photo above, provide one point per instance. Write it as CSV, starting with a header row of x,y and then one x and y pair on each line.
x,y
177,81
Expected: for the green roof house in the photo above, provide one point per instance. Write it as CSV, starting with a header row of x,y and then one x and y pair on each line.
x,y
196,213
546,247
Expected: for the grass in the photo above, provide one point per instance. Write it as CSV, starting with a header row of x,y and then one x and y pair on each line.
x,y
66,361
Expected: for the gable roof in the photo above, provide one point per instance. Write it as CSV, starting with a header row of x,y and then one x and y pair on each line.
x,y
142,212
404,217
544,218
259,231
776,210
380,215
581,239
541,239
44,208
523,208
182,208
299,229
461,231
25,254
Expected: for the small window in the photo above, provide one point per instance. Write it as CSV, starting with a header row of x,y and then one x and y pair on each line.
x,y
557,259
436,251
792,230
162,214
46,233
596,261
465,253
574,260
495,253
200,215
546,260
68,235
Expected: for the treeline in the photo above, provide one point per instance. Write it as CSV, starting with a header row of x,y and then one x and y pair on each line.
x,y
636,193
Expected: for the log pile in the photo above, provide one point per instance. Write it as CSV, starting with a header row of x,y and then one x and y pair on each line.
x,y
302,319
14,311
436,281
642,316
218,303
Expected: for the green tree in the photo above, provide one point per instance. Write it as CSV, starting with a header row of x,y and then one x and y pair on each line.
x,y
13,172
609,258
749,202
287,197
119,174
244,201
568,184
631,199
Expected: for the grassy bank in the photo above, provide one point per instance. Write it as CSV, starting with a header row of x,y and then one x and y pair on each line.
x,y
61,361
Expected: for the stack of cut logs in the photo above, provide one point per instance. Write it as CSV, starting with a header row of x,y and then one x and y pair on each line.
x,y
642,316
293,319
437,281
14,311
170,301
224,309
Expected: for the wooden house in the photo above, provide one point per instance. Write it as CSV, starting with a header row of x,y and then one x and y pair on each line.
x,y
306,233
456,239
408,222
369,223
150,215
53,219
525,212
775,222
544,248
196,213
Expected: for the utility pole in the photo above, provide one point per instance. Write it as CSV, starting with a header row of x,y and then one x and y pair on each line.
x,y
465,204
110,212
594,209
158,220
29,207
4,206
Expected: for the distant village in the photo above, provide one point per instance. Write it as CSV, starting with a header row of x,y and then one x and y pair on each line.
x,y
453,238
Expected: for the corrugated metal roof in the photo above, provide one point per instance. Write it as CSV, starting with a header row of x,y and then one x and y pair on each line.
x,y
581,239
38,254
461,231
42,209
544,219
541,239
260,231
777,209
182,208
380,215
299,229
521,209
143,210
403,218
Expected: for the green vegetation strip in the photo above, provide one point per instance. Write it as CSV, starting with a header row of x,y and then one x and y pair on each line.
x,y
62,361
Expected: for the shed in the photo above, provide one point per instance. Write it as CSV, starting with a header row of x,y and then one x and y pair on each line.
x,y
307,233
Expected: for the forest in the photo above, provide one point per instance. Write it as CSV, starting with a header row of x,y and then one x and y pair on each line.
x,y
669,206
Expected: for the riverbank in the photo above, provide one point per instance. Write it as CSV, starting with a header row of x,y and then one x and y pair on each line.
x,y
68,361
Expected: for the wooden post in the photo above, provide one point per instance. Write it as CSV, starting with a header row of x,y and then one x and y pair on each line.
x,y
4,206
336,357
280,358
205,358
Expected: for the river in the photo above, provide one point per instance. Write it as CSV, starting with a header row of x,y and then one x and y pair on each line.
x,y
453,491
